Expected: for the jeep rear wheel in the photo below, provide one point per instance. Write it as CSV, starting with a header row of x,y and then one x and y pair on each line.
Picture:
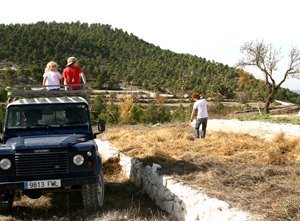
x,y
93,195
6,201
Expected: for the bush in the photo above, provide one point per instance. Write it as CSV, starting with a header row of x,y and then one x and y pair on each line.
x,y
136,115
164,115
113,111
154,114
219,106
180,113
274,104
97,106
2,116
220,111
3,95
107,118
161,100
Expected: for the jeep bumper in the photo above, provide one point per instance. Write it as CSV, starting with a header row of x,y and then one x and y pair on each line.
x,y
64,182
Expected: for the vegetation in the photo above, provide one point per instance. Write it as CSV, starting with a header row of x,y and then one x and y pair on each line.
x,y
129,112
2,116
265,57
110,56
267,118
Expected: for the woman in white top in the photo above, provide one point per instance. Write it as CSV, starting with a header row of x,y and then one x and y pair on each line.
x,y
52,77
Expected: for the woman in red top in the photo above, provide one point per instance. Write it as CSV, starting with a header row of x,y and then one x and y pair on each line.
x,y
72,74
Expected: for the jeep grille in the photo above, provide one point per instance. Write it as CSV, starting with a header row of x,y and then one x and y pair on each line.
x,y
41,163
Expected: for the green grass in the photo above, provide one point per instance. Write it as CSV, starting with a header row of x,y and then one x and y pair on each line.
x,y
267,118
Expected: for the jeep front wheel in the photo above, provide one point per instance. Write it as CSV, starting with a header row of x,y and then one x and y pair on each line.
x,y
93,195
6,200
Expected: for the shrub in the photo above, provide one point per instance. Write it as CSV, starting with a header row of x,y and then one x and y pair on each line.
x,y
219,106
136,115
107,118
220,111
274,104
180,113
161,100
164,115
3,95
154,114
110,114
2,115
97,106
113,111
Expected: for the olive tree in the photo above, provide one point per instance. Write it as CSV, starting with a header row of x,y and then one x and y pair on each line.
x,y
266,58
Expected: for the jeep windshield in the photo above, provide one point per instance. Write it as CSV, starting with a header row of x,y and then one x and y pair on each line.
x,y
45,115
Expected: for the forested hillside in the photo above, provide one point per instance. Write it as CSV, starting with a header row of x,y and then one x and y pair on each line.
x,y
110,56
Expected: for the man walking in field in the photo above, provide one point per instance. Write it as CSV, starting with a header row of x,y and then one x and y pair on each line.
x,y
202,106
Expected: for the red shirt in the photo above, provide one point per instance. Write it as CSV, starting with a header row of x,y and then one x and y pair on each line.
x,y
72,76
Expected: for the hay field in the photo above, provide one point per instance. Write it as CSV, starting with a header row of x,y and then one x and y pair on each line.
x,y
259,176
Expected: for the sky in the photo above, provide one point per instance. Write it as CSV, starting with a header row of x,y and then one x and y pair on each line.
x,y
214,29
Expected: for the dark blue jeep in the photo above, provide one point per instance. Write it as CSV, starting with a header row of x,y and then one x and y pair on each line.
x,y
48,146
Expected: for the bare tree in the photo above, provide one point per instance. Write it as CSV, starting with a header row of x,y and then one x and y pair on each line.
x,y
266,57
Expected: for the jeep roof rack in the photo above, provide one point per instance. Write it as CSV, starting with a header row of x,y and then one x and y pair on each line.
x,y
18,92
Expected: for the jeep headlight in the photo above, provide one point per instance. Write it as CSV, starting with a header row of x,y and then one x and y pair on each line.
x,y
78,159
5,164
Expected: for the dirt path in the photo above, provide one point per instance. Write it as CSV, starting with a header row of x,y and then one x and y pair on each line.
x,y
260,131
262,134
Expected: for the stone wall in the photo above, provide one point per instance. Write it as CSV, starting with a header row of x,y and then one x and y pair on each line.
x,y
176,198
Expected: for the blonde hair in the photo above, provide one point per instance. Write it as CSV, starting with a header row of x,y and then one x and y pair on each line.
x,y
51,66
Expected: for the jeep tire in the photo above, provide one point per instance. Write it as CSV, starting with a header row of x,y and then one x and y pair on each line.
x,y
93,195
6,201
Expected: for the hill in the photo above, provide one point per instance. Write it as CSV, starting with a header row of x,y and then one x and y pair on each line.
x,y
110,56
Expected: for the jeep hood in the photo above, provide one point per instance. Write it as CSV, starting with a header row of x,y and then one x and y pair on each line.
x,y
47,141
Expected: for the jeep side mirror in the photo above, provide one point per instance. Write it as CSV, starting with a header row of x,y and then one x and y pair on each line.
x,y
101,128
101,125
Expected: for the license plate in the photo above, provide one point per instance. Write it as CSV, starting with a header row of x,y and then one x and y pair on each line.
x,y
40,184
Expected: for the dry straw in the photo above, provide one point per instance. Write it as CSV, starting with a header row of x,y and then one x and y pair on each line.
x,y
255,175
180,144
126,105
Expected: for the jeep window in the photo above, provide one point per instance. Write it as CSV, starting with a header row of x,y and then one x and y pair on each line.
x,y
20,116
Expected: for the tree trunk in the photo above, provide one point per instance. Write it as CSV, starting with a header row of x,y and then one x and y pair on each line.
x,y
269,100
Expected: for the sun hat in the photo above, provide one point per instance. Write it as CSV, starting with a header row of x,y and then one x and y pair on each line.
x,y
71,60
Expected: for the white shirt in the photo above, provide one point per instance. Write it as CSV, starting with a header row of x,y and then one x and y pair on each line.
x,y
201,106
53,78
